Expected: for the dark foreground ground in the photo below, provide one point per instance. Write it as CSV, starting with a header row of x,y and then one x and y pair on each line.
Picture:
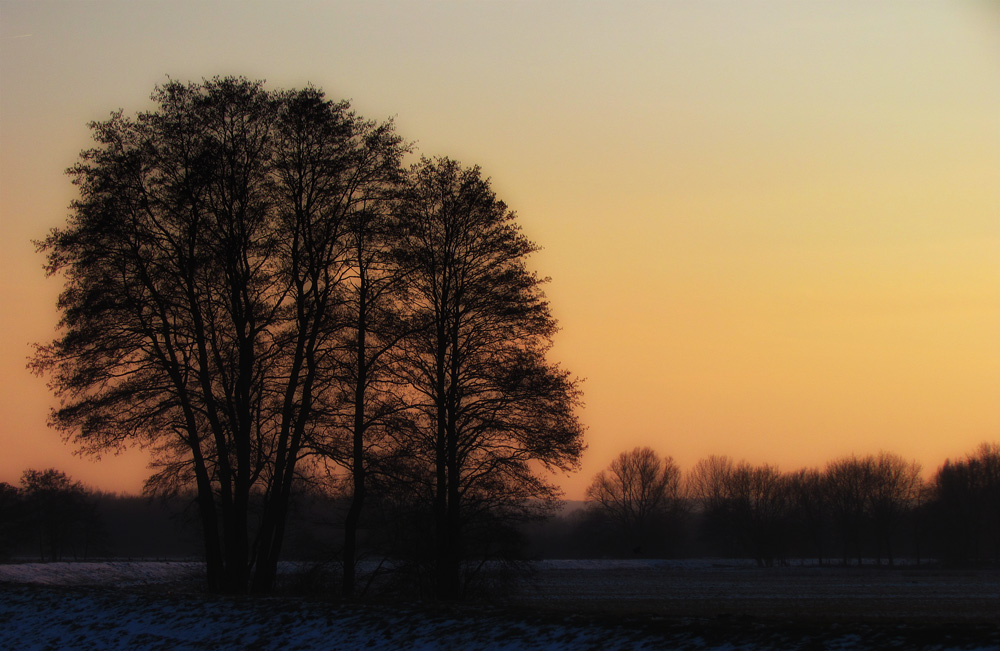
x,y
912,594
802,607
569,605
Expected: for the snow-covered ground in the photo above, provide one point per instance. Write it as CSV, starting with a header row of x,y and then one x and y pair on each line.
x,y
92,619
571,605
107,573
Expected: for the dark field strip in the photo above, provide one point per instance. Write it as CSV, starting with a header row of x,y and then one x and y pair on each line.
x,y
657,607
824,594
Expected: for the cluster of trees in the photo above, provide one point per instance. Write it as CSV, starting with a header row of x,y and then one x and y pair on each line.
x,y
855,508
860,501
258,290
50,515
966,506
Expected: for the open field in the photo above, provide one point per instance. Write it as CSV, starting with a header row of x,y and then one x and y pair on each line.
x,y
829,593
568,605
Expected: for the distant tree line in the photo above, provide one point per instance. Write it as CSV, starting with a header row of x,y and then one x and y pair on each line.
x,y
48,517
873,508
258,290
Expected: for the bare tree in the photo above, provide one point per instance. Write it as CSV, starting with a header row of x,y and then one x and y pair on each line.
x,y
203,267
759,501
849,483
339,177
708,480
707,485
489,409
745,507
11,519
868,497
61,516
811,511
894,489
637,491
966,506
361,436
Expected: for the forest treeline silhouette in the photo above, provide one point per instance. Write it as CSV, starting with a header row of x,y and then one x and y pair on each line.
x,y
872,510
260,292
873,507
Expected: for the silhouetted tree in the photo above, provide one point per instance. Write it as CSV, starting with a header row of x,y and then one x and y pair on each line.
x,y
708,484
204,270
343,235
869,498
849,484
744,507
894,488
809,503
489,410
360,439
60,515
965,506
11,519
759,502
637,491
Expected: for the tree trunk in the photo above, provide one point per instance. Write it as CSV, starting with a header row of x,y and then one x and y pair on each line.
x,y
271,535
235,578
360,489
214,566
358,444
351,540
354,511
451,589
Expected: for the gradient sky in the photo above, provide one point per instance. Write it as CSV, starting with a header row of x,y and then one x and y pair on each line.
x,y
773,228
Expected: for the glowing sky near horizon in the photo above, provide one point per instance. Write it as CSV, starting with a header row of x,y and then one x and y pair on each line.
x,y
773,229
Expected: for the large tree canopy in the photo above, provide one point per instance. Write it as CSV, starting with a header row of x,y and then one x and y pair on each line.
x,y
251,277
204,263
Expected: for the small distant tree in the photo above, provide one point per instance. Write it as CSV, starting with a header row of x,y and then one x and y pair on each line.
x,y
965,506
708,480
759,503
894,489
745,508
61,517
637,491
849,483
707,485
869,498
808,494
11,519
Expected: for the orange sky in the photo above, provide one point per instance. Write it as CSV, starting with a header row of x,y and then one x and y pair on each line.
x,y
773,233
